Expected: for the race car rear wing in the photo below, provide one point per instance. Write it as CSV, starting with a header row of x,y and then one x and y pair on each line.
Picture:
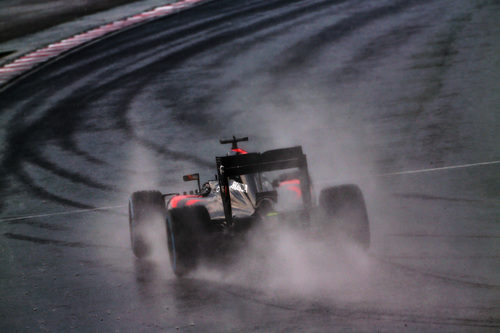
x,y
277,159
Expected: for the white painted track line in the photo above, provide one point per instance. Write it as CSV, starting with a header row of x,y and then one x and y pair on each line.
x,y
83,211
462,166
78,211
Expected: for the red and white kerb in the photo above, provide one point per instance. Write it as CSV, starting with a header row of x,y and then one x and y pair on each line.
x,y
33,59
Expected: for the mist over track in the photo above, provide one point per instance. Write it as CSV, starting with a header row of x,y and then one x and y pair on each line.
x,y
367,88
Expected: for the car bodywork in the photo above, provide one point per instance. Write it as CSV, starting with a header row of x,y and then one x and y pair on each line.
x,y
241,190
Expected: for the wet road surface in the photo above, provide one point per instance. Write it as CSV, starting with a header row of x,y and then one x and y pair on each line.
x,y
367,89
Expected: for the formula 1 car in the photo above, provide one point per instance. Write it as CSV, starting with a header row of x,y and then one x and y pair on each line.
x,y
250,188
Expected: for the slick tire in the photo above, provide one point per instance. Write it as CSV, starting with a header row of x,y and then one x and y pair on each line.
x,y
147,214
187,228
345,206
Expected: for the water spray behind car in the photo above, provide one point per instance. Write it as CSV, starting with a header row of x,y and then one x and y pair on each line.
x,y
257,201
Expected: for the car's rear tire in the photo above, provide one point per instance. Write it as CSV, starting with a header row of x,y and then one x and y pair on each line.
x,y
187,228
345,206
147,214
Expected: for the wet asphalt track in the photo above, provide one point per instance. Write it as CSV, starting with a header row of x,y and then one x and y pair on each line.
x,y
366,87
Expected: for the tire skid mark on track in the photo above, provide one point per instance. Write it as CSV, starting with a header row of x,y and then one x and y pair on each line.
x,y
43,241
124,124
25,179
404,317
242,292
422,196
48,241
254,299
161,149
71,146
333,310
422,319
287,20
17,170
435,61
374,50
23,176
41,225
310,12
443,278
64,173
22,152
37,131
301,52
